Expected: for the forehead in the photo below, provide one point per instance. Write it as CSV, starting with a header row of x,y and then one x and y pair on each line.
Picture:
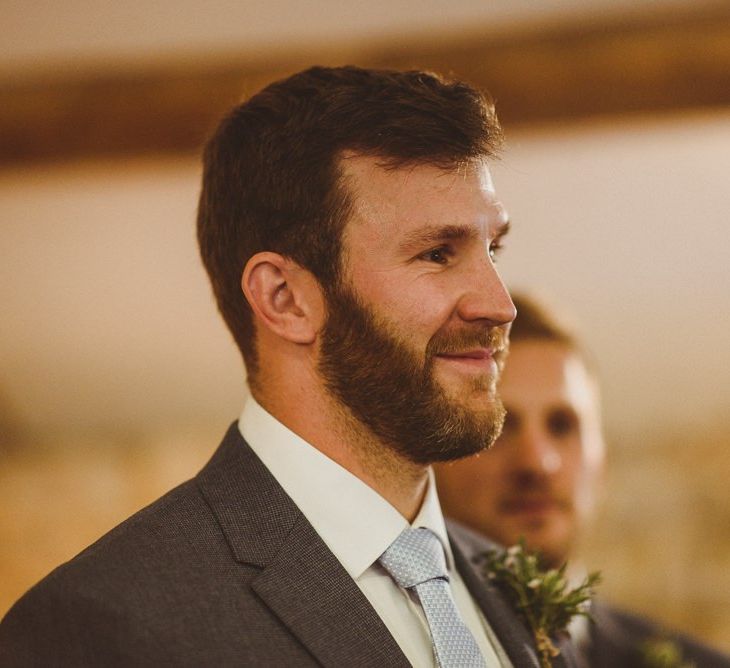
x,y
540,373
392,203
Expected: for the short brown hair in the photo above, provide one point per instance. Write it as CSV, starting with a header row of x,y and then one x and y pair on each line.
x,y
271,172
535,321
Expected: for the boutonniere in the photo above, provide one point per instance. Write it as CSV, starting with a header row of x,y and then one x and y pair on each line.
x,y
542,598
662,652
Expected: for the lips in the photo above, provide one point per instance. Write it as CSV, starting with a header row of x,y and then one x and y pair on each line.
x,y
476,359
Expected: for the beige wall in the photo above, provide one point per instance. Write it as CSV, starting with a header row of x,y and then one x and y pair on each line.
x,y
109,320
625,222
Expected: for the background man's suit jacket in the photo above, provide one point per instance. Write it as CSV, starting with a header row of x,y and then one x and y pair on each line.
x,y
616,640
224,570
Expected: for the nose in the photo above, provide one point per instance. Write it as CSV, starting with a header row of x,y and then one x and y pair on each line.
x,y
536,453
487,297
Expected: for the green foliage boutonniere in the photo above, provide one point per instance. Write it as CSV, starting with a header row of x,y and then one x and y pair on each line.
x,y
541,598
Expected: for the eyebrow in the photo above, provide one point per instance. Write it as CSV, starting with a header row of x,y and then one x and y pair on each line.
x,y
435,233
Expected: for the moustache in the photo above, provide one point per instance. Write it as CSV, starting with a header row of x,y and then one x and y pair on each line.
x,y
525,488
518,502
453,342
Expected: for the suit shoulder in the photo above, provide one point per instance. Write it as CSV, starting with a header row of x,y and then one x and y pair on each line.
x,y
474,545
113,589
138,543
168,520
637,634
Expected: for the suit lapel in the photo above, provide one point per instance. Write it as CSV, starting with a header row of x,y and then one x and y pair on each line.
x,y
514,636
316,598
301,581
608,645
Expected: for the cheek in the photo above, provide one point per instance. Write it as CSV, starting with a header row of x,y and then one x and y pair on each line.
x,y
412,309
573,472
585,487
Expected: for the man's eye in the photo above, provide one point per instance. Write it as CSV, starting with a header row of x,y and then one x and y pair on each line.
x,y
438,255
562,422
495,248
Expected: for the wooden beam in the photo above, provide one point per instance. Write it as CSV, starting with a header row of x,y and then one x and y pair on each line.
x,y
646,64
552,73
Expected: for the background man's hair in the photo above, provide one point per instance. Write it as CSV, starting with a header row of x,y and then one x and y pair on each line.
x,y
271,173
536,321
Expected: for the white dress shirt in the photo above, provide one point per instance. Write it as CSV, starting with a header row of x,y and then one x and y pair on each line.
x,y
358,525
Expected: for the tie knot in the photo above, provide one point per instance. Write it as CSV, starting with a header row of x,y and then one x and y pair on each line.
x,y
415,557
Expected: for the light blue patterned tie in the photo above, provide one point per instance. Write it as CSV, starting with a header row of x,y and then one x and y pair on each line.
x,y
416,560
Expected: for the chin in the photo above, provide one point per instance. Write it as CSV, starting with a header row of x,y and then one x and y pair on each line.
x,y
460,385
551,549
459,450
536,535
477,402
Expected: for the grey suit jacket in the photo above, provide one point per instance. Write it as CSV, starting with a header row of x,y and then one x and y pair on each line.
x,y
224,570
616,639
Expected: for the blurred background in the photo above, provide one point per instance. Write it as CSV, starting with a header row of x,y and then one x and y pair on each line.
x,y
117,378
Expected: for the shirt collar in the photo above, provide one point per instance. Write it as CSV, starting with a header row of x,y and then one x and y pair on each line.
x,y
431,517
354,521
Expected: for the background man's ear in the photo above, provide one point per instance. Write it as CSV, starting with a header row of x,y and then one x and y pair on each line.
x,y
286,298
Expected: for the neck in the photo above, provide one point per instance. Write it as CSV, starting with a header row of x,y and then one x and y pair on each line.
x,y
331,428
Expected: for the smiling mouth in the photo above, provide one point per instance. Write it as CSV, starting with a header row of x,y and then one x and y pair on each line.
x,y
478,357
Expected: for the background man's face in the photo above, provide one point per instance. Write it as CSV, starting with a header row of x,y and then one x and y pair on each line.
x,y
539,480
431,311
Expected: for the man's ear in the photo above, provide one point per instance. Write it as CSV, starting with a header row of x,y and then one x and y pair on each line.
x,y
285,297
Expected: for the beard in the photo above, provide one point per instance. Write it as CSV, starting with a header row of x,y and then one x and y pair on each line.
x,y
391,389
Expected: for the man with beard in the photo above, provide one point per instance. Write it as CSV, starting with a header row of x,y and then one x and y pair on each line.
x,y
349,224
541,480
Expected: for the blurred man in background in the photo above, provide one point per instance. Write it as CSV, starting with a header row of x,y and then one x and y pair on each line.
x,y
542,478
